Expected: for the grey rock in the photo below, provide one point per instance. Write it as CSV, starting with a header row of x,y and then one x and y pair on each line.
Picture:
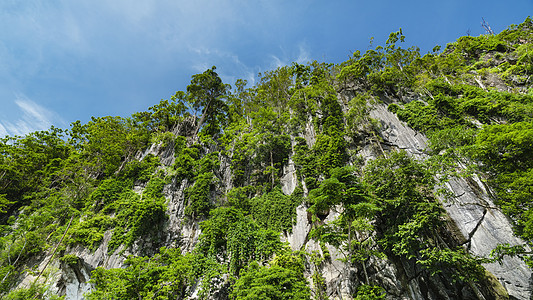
x,y
481,223
289,180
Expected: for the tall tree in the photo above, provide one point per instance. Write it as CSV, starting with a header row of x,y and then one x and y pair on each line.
x,y
206,93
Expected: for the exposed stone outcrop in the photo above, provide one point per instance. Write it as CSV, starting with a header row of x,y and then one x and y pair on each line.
x,y
481,223
478,224
73,282
289,181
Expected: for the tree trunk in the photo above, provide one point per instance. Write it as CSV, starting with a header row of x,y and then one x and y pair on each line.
x,y
364,271
204,115
272,168
55,249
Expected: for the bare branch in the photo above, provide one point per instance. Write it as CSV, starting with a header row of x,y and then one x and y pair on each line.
x,y
55,249
486,25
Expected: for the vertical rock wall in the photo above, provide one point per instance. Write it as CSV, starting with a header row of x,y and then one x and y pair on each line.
x,y
481,223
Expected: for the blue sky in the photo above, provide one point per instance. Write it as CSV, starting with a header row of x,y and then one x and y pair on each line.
x,y
68,60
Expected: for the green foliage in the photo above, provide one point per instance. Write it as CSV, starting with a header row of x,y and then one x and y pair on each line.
x,y
328,152
206,93
411,217
163,138
189,164
370,292
239,197
167,275
446,110
401,182
105,142
502,250
399,177
164,116
319,282
351,231
305,163
451,139
26,162
423,117
515,33
138,215
283,279
328,194
185,162
4,203
456,98
140,170
200,203
514,197
34,291
107,192
90,232
273,90
208,163
383,70
358,119
463,265
134,215
313,93
115,195
238,237
505,148
274,153
499,147
519,73
241,159
504,154
276,210
474,46
70,259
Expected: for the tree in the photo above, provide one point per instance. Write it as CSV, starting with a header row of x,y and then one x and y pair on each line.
x,y
162,117
283,279
165,275
206,93
351,230
229,234
28,163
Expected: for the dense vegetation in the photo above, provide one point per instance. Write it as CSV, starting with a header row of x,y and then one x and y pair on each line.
x,y
98,184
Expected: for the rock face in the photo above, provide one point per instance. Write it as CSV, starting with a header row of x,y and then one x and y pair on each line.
x,y
74,280
479,225
289,181
397,135
484,226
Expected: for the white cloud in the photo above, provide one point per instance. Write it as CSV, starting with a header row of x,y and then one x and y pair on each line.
x,y
75,52
303,55
3,131
277,62
32,117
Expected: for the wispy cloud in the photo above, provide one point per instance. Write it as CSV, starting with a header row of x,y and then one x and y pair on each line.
x,y
226,62
277,62
31,117
301,55
3,131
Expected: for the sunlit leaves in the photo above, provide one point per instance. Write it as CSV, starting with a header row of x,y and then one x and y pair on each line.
x,y
283,279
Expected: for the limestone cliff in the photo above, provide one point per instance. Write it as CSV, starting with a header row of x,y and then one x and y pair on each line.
x,y
474,221
389,176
